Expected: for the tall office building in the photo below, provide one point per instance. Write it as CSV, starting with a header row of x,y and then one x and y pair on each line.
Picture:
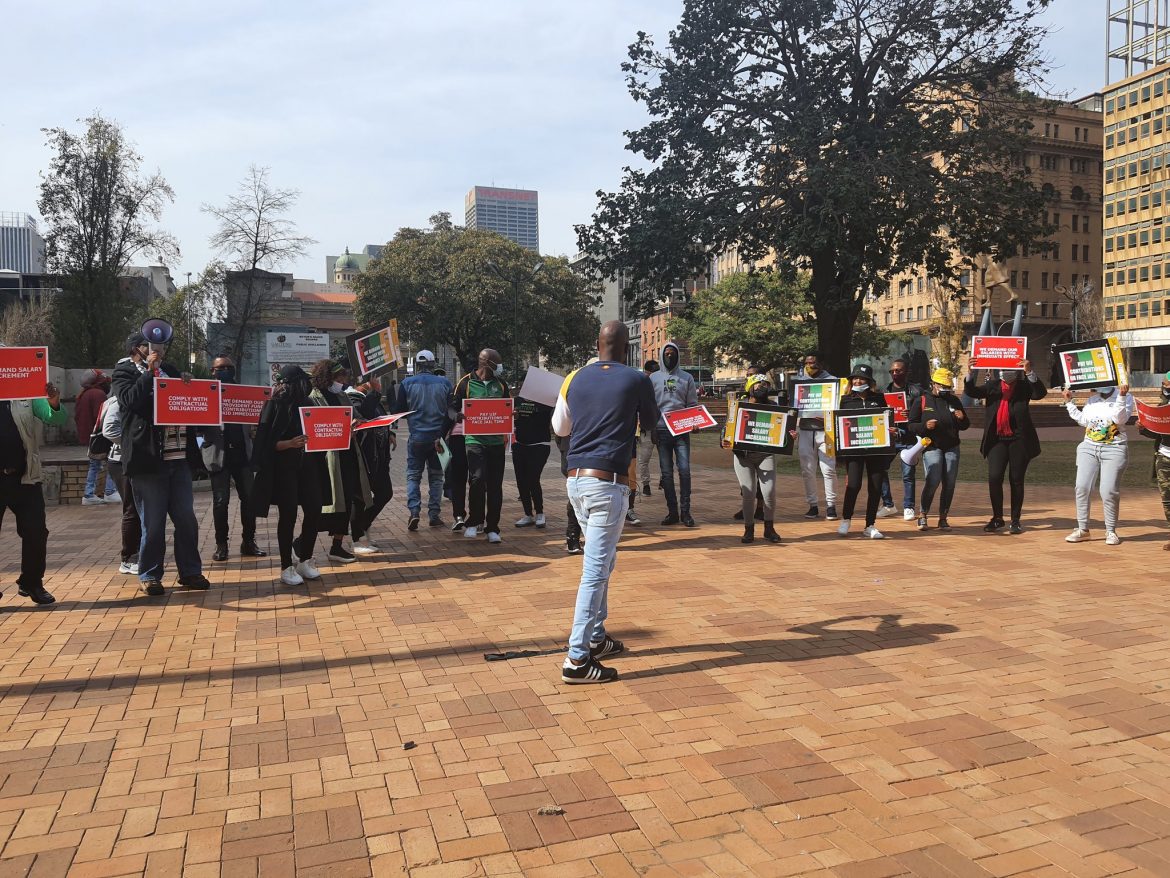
x,y
511,212
1137,184
22,249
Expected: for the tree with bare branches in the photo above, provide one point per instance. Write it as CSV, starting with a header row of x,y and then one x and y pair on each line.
x,y
254,234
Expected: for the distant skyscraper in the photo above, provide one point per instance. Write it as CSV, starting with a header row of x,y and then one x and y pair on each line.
x,y
22,249
511,212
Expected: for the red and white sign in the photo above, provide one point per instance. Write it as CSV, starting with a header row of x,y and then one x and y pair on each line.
x,y
383,421
327,427
687,420
179,403
242,403
897,401
998,351
24,372
487,417
1155,418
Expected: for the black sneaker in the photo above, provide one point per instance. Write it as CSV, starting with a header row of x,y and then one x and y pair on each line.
x,y
738,515
672,518
645,489
589,671
342,554
770,533
437,522
943,524
993,525
249,549
199,582
1014,528
813,512
605,647
749,535
573,545
923,524
688,521
221,552
831,513
37,593
458,525
153,587
410,525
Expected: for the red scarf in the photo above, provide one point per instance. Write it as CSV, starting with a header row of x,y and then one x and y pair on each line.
x,y
1003,417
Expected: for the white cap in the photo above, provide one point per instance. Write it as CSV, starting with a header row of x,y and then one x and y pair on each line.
x,y
424,356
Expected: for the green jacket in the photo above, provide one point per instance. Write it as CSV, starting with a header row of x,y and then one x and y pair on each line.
x,y
471,387
334,501
30,416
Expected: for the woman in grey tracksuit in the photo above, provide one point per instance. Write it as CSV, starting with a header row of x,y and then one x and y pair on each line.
x,y
1101,456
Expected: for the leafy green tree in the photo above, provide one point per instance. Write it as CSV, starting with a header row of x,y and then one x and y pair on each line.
x,y
763,318
856,138
473,289
100,212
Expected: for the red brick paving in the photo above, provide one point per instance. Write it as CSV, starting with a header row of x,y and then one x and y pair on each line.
x,y
932,705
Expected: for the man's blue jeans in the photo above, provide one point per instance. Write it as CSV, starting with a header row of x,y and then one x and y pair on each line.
x,y
600,508
95,467
909,477
669,449
157,496
418,455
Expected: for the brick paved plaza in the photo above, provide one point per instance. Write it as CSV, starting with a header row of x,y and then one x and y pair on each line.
x,y
963,705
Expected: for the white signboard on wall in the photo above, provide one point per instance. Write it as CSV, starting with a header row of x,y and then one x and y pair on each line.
x,y
297,347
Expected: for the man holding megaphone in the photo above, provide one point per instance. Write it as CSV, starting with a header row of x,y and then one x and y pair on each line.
x,y
158,461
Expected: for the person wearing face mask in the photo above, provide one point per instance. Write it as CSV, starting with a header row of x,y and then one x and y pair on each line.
x,y
939,416
1102,455
288,477
1009,441
756,471
863,394
374,446
226,453
348,483
900,383
674,389
485,454
813,451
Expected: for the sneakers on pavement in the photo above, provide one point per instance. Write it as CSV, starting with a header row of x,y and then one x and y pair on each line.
x,y
1112,539
364,547
471,532
672,518
688,521
907,515
589,671
922,523
831,513
1077,536
540,520
153,587
813,512
458,525
307,570
1015,528
525,521
436,522
885,512
289,576
115,497
128,567
843,527
199,582
91,501
494,538
632,518
604,647
996,524
573,546
413,523
873,533
341,555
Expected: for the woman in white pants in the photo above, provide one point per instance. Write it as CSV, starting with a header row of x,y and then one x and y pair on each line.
x,y
1101,456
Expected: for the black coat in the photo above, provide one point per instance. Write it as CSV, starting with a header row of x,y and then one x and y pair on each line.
x,y
1018,408
275,418
141,440
941,408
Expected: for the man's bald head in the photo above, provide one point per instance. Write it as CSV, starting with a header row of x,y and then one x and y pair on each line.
x,y
613,340
489,358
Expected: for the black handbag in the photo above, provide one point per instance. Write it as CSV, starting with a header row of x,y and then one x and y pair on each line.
x,y
99,444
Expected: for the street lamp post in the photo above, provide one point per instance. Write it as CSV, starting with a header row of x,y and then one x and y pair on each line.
x,y
190,334
515,282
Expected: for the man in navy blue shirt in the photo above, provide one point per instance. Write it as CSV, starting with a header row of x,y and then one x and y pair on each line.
x,y
599,408
425,394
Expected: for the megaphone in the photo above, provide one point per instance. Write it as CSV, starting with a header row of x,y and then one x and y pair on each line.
x,y
158,333
910,456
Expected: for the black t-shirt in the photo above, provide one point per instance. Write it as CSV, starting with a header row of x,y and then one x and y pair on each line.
x,y
12,451
533,422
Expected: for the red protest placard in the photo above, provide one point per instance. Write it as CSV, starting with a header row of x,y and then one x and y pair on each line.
x,y
242,403
897,401
24,372
193,403
487,417
1155,418
382,421
686,420
327,427
998,351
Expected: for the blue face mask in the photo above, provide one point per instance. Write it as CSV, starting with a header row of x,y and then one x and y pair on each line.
x,y
499,370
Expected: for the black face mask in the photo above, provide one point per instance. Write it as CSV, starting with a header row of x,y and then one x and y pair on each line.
x,y
759,393
670,359
224,373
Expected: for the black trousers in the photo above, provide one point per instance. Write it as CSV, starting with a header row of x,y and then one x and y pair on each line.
x,y
485,469
221,491
1009,457
131,523
296,482
528,462
456,478
28,505
865,469
382,490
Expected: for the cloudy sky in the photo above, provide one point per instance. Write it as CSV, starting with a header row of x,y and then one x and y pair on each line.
x,y
381,112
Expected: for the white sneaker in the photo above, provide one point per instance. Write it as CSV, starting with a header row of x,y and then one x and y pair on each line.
x,y
885,512
907,515
525,521
364,547
91,501
471,532
307,570
873,533
289,576
494,537
1112,539
540,522
113,498
843,527
1077,536
128,567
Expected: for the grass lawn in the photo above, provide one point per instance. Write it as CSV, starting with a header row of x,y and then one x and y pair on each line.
x,y
1056,464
